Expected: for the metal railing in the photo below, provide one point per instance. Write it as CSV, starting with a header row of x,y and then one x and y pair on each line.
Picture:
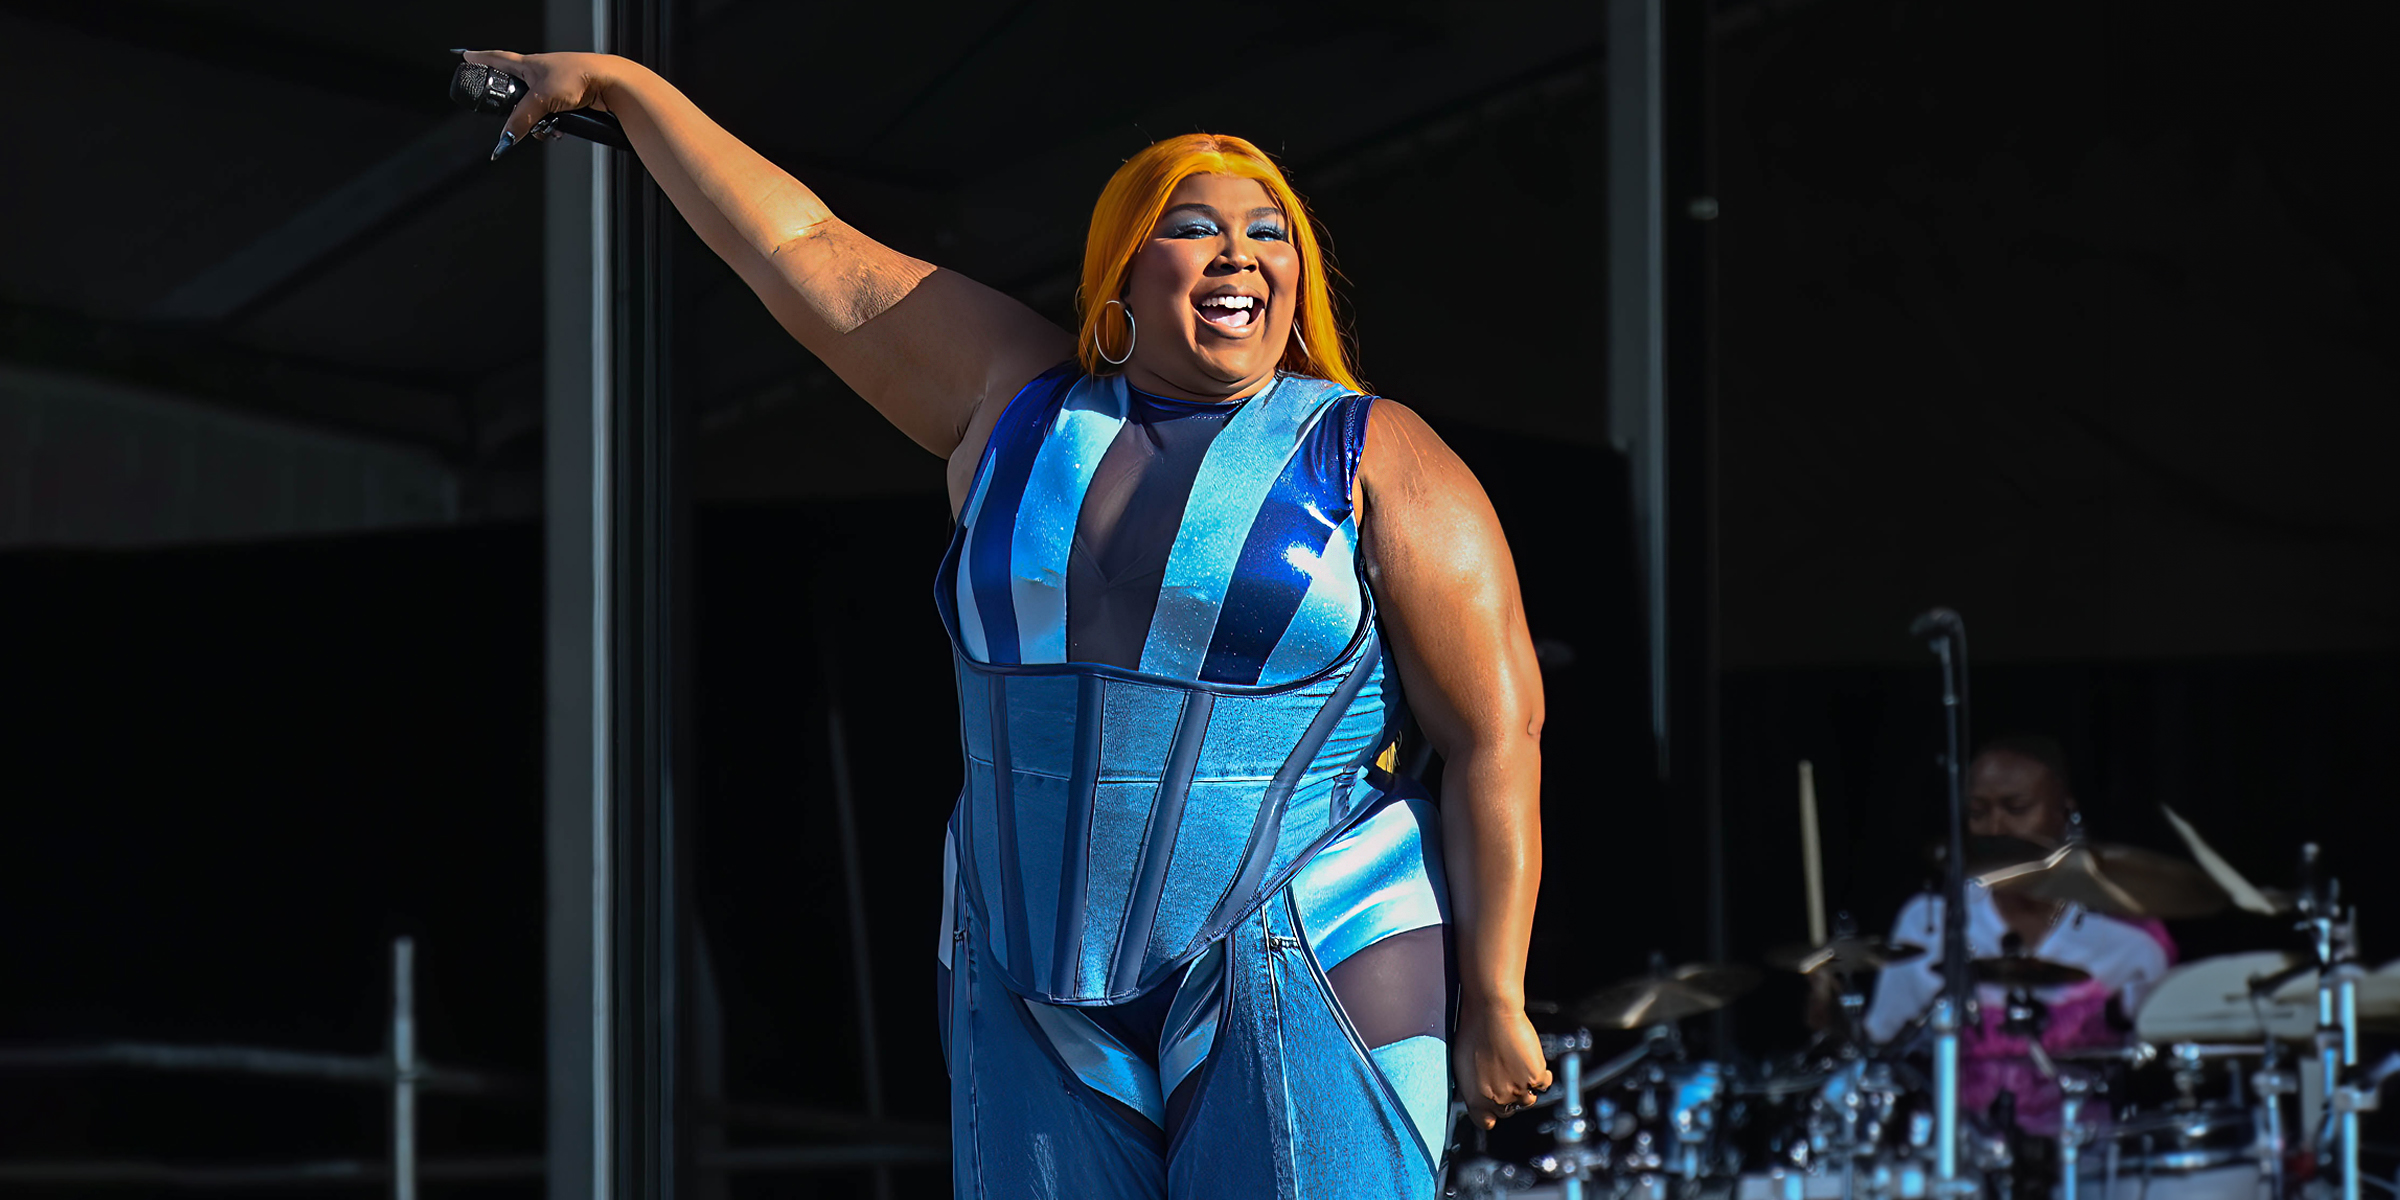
x,y
870,1141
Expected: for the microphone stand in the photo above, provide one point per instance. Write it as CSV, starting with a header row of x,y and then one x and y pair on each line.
x,y
1947,634
2333,938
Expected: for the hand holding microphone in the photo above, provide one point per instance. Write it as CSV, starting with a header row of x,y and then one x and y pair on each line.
x,y
545,95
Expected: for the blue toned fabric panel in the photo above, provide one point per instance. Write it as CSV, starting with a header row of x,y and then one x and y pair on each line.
x,y
1041,724
979,851
1382,876
1248,743
1087,421
1191,1026
950,923
986,550
1139,728
1418,1068
1041,812
1102,1062
1363,730
1251,736
1242,466
1208,852
974,712
1329,613
1249,740
1303,545
954,593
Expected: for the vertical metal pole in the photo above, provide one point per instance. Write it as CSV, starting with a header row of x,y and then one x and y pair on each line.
x,y
2346,1010
1945,1090
1571,1188
1948,634
2070,1141
1637,337
870,1053
404,1069
577,354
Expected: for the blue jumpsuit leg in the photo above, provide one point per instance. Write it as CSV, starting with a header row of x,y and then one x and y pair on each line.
x,y
1022,1125
1286,1102
1290,1104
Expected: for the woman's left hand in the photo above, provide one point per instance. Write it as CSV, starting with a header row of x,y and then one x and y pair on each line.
x,y
1497,1059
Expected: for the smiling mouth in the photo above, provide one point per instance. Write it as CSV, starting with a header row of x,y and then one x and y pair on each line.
x,y
1231,312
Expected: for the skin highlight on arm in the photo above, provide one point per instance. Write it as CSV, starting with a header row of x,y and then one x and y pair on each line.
x,y
1446,586
925,346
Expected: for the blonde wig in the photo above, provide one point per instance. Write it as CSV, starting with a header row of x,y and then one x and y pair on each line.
x,y
1129,209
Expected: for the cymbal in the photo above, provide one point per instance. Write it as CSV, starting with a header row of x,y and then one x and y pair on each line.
x,y
2116,881
1988,854
1842,956
2016,970
1670,995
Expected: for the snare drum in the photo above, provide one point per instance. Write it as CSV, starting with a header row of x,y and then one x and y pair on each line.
x,y
2210,1153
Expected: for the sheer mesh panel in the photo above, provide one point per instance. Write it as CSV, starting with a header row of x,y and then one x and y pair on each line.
x,y
1128,524
1397,988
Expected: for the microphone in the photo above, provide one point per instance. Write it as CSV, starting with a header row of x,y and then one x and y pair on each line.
x,y
492,90
1936,622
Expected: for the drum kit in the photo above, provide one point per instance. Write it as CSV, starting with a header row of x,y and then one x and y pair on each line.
x,y
2240,1076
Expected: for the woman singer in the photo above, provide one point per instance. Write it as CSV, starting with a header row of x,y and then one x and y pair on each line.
x,y
1197,934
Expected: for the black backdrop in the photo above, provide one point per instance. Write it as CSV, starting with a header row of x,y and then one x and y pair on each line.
x,y
238,772
2073,321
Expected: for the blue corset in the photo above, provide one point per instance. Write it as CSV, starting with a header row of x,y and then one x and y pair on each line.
x,y
1115,819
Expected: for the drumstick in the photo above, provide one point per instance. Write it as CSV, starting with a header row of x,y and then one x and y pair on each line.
x,y
1812,863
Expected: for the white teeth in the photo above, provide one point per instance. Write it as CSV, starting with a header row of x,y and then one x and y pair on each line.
x,y
1226,302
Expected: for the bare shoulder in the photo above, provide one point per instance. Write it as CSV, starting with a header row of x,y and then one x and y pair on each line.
x,y
1405,463
1009,378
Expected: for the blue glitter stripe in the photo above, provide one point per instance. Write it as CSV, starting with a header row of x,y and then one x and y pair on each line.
x,y
1326,619
1158,850
1285,554
1004,808
1088,420
956,592
1016,441
1066,943
1242,464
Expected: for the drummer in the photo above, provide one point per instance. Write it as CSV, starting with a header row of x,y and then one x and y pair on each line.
x,y
2017,786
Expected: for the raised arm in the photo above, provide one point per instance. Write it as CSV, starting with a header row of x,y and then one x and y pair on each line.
x,y
1447,588
925,346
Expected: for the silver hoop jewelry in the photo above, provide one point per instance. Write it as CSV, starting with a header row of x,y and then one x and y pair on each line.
x,y
1303,342
1133,333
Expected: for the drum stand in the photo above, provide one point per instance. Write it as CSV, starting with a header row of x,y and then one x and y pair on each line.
x,y
1573,1159
2333,936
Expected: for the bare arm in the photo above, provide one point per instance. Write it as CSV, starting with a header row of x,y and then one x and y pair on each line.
x,y
1447,588
925,346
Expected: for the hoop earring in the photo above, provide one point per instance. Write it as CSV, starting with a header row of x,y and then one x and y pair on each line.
x,y
1133,333
1303,344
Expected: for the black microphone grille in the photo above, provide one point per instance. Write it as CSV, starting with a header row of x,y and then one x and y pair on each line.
x,y
485,89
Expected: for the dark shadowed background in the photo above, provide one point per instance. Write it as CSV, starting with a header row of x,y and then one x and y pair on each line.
x,y
2075,317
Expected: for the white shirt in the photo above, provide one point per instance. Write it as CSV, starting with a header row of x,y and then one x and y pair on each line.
x,y
2117,953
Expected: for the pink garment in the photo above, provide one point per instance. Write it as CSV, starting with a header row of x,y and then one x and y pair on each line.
x,y
1994,1061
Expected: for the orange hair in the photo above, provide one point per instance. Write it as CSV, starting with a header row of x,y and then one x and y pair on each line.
x,y
1129,209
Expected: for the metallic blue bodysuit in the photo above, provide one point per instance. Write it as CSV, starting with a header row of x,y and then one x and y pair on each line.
x,y
1173,840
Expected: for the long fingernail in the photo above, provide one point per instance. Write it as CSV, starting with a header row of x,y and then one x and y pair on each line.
x,y
458,49
506,140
